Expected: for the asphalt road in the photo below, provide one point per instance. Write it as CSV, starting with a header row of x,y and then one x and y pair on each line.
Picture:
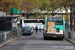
x,y
36,42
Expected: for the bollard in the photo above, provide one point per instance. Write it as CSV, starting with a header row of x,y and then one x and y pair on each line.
x,y
69,35
1,38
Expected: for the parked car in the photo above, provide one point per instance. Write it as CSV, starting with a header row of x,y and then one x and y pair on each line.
x,y
26,31
31,29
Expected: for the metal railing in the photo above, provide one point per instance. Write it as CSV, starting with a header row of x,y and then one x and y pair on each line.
x,y
70,33
4,36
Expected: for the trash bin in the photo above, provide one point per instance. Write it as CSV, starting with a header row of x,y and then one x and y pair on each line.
x,y
69,35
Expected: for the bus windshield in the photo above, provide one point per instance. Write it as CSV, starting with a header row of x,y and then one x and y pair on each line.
x,y
58,21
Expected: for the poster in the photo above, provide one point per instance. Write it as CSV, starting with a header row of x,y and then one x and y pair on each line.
x,y
51,27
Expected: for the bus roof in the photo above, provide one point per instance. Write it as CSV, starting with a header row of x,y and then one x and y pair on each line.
x,y
32,19
53,17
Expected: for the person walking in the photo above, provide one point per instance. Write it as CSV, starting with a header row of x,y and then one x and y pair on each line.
x,y
36,29
40,29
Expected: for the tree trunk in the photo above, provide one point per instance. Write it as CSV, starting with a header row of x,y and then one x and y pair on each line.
x,y
71,17
27,16
74,17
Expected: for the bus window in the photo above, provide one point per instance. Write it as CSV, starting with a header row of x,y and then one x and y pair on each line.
x,y
59,22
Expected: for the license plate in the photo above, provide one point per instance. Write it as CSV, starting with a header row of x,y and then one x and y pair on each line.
x,y
54,36
25,31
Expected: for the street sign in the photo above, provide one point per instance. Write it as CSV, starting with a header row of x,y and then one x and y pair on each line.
x,y
18,10
13,10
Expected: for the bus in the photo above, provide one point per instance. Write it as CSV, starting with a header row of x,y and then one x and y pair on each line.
x,y
32,23
54,27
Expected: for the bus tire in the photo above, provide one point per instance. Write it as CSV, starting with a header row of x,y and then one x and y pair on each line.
x,y
61,38
45,38
32,32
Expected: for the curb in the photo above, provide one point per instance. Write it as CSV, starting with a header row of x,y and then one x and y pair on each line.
x,y
69,40
10,41
22,38
6,43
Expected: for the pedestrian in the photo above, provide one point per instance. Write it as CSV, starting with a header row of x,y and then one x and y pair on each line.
x,y
36,29
40,29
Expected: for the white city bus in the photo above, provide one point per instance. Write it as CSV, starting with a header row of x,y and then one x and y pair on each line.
x,y
32,23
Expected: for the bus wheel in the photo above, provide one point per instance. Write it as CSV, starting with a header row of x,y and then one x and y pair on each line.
x,y
32,32
45,38
61,38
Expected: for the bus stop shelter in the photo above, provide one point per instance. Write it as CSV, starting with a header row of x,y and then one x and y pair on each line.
x,y
6,27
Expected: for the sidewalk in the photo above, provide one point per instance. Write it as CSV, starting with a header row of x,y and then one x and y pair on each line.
x,y
10,41
70,36
71,41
